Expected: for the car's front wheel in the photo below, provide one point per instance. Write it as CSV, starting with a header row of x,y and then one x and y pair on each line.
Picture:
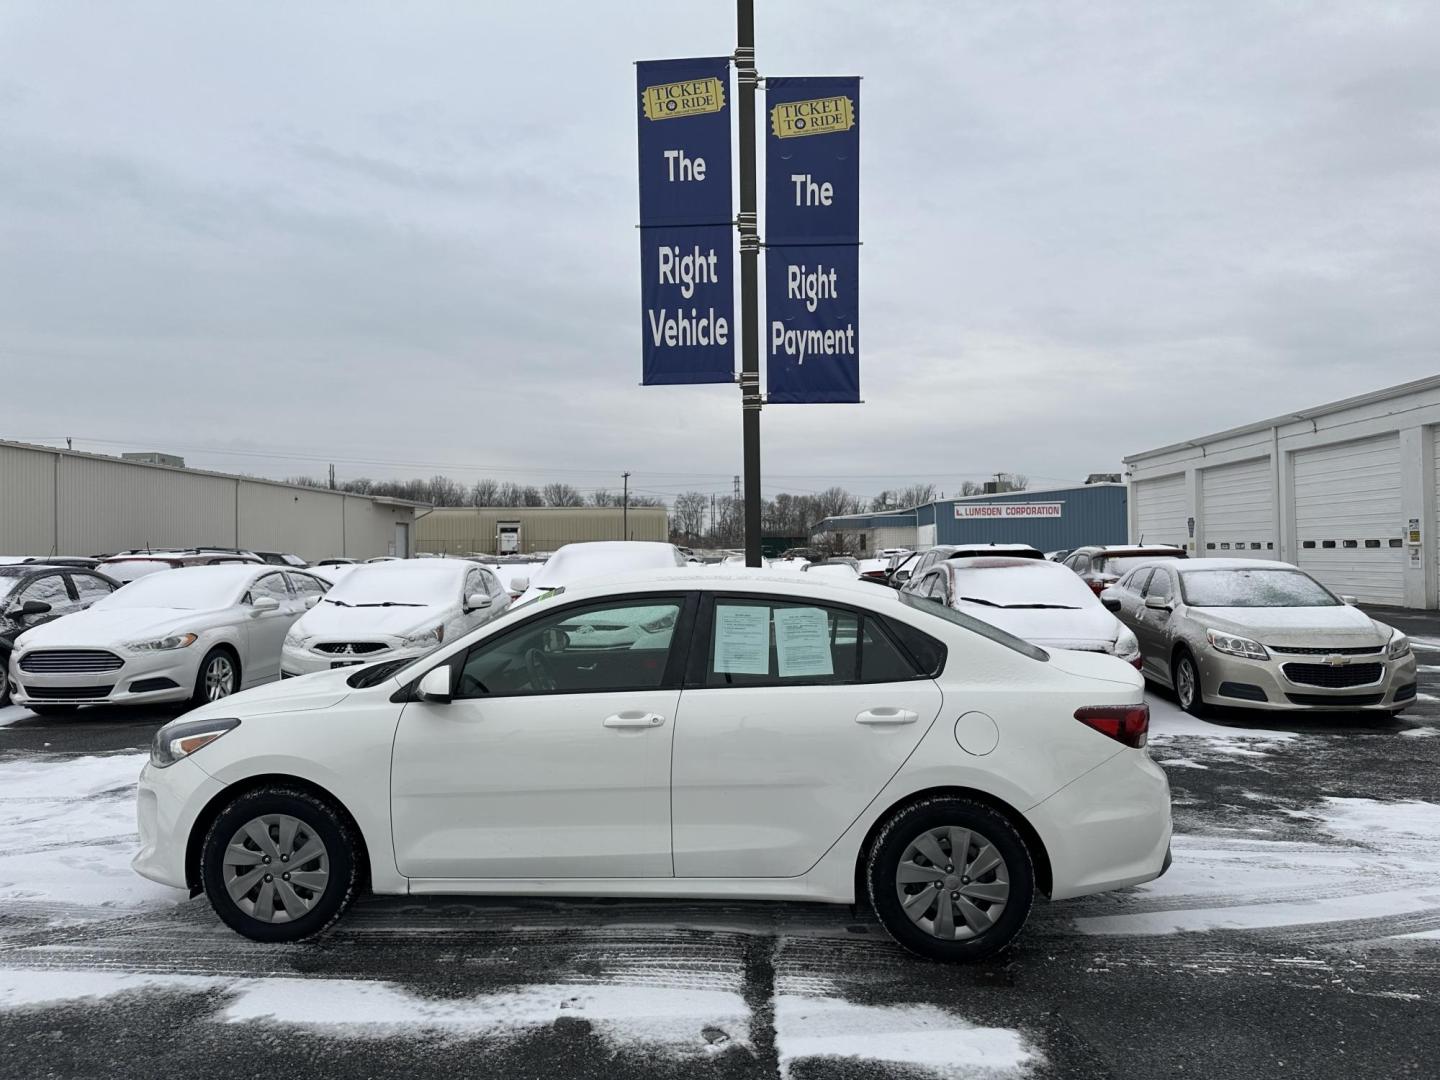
x,y
1186,677
279,864
219,677
951,879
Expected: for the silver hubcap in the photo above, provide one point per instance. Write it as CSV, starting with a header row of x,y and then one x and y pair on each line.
x,y
219,678
953,883
1185,683
275,868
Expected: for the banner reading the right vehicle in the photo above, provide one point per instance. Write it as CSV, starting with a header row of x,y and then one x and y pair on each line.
x,y
812,237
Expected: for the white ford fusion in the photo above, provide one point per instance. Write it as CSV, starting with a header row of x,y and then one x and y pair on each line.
x,y
784,739
199,633
391,609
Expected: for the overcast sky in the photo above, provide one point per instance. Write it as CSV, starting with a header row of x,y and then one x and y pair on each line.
x,y
401,237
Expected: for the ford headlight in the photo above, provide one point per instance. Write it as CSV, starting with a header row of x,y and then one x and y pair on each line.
x,y
1236,646
433,636
164,644
181,738
1399,646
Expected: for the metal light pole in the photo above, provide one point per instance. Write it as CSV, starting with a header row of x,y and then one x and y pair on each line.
x,y
749,277
625,508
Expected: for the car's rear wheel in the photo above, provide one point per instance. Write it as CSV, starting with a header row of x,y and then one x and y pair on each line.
x,y
279,864
951,879
219,676
1185,674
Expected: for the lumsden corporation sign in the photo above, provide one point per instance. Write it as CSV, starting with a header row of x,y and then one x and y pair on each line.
x,y
1009,510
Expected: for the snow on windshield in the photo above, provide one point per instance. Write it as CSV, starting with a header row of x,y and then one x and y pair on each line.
x,y
194,588
428,582
1253,589
574,562
1012,583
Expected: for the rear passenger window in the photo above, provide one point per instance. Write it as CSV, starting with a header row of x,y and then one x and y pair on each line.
x,y
927,653
880,660
757,643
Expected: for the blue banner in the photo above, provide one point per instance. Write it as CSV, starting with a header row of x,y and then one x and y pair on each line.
x,y
812,161
812,326
687,233
684,113
688,297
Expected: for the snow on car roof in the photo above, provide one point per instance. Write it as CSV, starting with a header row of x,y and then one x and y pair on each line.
x,y
601,557
1005,582
1187,566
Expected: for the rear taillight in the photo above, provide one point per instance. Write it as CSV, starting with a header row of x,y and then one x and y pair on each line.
x,y
1129,724
1138,663
1099,585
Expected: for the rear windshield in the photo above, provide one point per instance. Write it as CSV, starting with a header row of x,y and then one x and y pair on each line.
x,y
1254,589
1119,565
984,629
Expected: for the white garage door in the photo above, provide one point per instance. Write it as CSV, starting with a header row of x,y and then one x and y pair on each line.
x,y
1347,518
1238,510
1161,510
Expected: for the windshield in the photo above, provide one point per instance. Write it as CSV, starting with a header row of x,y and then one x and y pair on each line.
x,y
1027,585
7,581
431,583
194,589
974,625
1254,589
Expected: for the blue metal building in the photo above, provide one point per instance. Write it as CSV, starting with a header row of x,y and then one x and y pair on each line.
x,y
1048,519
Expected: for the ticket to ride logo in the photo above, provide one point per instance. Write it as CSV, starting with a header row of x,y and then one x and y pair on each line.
x,y
817,116
693,97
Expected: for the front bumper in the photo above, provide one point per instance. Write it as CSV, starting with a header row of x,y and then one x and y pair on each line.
x,y
1264,684
164,676
168,802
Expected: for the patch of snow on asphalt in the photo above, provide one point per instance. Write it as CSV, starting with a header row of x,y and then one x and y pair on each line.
x,y
22,987
1368,821
1168,721
13,714
1420,733
919,1037
67,833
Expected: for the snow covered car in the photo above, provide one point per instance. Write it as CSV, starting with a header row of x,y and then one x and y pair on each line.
x,y
794,739
33,593
198,634
1260,634
1035,599
601,558
397,608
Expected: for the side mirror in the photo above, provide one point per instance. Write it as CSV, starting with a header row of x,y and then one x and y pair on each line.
x,y
262,604
434,685
1351,600
900,577
1111,603
477,601
33,607
554,640
1157,603
519,584
311,601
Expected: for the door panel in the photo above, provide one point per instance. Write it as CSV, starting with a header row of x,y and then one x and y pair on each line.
x,y
534,786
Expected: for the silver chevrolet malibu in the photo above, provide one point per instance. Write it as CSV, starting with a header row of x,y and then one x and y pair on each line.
x,y
1261,635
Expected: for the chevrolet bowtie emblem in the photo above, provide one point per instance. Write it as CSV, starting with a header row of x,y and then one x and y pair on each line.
x,y
1337,661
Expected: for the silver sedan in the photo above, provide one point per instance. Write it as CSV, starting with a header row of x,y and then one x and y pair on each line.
x,y
1260,635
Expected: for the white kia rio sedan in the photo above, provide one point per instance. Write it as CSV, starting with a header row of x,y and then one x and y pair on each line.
x,y
788,738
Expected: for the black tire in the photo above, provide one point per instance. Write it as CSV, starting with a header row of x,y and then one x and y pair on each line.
x,y
912,823
216,658
53,710
1196,706
318,819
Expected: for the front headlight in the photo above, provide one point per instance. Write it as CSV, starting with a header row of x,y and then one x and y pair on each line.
x,y
1399,646
660,625
164,644
433,636
295,641
181,738
1236,646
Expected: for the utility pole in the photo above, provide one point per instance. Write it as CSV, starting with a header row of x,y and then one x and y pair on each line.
x,y
332,477
625,508
748,223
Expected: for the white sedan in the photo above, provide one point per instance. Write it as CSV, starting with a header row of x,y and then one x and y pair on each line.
x,y
1041,601
792,739
200,633
599,558
393,609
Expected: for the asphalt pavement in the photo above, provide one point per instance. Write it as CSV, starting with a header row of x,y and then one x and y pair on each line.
x,y
1298,934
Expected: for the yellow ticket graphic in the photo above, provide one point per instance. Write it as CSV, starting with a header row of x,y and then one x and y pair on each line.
x,y
817,116
668,101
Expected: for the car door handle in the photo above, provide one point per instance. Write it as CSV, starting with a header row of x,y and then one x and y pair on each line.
x,y
634,720
886,716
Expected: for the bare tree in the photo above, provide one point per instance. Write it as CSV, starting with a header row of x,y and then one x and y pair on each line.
x,y
915,495
562,495
531,496
970,487
687,515
485,492
601,497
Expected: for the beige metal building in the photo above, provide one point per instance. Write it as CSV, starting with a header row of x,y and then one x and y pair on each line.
x,y
62,502
523,529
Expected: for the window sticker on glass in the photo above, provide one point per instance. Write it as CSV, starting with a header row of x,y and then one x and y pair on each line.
x,y
742,640
802,642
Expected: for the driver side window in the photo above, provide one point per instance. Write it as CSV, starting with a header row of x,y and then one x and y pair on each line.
x,y
602,649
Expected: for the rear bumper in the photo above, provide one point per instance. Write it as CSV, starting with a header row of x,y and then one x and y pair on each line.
x,y
1108,829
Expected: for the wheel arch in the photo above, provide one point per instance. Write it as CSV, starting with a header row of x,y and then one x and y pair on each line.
x,y
230,646
1036,846
201,827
